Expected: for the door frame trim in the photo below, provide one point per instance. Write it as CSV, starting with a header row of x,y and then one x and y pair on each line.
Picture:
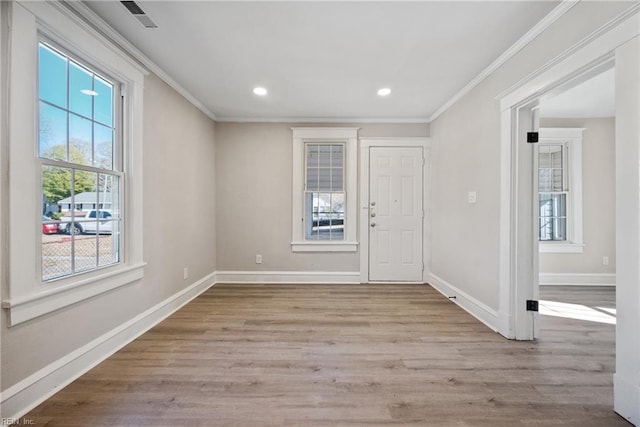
x,y
515,269
363,200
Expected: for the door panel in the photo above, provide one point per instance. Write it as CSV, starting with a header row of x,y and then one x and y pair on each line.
x,y
395,214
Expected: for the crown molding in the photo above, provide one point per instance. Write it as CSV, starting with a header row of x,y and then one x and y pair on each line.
x,y
529,36
107,31
416,120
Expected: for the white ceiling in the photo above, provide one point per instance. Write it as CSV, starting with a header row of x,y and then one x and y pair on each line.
x,y
324,60
592,98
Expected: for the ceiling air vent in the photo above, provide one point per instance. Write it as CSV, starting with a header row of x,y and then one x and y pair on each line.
x,y
139,14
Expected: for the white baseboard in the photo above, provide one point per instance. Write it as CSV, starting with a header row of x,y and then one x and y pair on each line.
x,y
38,387
315,277
626,399
471,305
577,279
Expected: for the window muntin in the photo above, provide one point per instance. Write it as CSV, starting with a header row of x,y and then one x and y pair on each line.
x,y
324,191
78,156
553,192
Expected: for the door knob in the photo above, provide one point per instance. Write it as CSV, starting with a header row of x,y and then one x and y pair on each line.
x,y
373,224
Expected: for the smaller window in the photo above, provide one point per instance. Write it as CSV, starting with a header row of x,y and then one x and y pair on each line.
x,y
552,192
324,192
324,197
560,190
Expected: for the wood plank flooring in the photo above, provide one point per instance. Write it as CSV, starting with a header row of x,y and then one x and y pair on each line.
x,y
341,355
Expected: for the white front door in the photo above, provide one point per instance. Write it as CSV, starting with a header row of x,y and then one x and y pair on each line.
x,y
395,214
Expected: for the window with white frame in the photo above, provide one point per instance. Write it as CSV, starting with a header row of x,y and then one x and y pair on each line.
x,y
79,155
324,189
560,190
553,192
75,156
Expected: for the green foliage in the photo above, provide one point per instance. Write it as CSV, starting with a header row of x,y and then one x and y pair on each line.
x,y
56,181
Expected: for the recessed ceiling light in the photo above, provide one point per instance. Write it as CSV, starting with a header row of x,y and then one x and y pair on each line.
x,y
89,92
260,91
384,91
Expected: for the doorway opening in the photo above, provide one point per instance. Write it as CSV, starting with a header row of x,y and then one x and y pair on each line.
x,y
576,205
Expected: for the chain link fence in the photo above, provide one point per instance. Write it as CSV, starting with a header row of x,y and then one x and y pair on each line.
x,y
65,255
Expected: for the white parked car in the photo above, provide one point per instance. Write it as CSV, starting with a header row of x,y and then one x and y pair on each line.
x,y
92,221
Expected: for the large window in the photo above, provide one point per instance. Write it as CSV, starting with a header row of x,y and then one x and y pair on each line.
x,y
324,189
75,162
560,190
79,155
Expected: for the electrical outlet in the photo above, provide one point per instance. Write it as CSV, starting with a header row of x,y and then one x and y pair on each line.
x,y
605,260
185,273
472,197
258,258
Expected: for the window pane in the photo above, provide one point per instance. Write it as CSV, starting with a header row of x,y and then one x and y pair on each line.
x,y
52,133
312,155
56,256
103,142
324,179
80,140
80,89
544,158
103,102
324,167
337,179
552,217
326,211
56,187
108,245
337,156
545,180
324,156
108,194
557,181
556,156
85,196
52,77
85,250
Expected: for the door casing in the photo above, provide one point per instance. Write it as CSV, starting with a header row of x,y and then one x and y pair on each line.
x,y
363,202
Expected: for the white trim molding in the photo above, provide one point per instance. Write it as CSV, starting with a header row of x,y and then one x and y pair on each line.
x,y
29,296
35,305
577,279
365,146
627,398
485,314
589,55
527,38
307,277
324,120
22,397
99,25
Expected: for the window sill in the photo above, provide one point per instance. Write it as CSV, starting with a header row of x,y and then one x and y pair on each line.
x,y
324,246
561,248
38,304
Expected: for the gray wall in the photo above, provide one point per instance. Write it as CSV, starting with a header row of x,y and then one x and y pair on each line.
x,y
466,157
598,200
253,196
179,232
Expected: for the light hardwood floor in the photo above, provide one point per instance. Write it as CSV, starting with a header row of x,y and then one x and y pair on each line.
x,y
337,355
